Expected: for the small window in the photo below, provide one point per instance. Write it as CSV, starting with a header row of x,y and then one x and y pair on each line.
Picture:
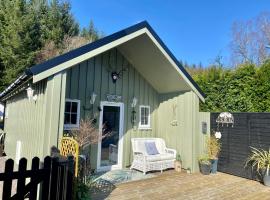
x,y
144,117
72,114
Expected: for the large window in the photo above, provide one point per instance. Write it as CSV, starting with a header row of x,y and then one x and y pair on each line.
x,y
144,117
72,114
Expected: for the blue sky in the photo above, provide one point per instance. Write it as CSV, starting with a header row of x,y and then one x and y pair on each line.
x,y
195,31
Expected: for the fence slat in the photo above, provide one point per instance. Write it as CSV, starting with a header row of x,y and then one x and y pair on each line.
x,y
46,183
35,167
21,179
54,179
70,175
8,182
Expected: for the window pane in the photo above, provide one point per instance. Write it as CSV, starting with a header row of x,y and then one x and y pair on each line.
x,y
73,118
67,118
146,112
74,107
146,120
67,107
142,116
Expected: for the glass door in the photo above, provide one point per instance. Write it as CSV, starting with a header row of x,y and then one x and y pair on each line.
x,y
110,147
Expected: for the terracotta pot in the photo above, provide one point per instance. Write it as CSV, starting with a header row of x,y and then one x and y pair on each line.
x,y
177,166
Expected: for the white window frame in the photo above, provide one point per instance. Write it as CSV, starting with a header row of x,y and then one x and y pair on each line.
x,y
147,126
77,125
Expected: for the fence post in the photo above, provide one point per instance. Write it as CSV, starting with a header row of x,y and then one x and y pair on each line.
x,y
8,182
21,178
34,168
46,183
70,176
54,186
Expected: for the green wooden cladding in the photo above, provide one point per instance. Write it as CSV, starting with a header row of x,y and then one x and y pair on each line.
x,y
94,75
39,125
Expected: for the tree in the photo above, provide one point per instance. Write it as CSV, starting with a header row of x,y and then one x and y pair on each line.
x,y
19,38
51,50
27,26
57,22
249,39
91,34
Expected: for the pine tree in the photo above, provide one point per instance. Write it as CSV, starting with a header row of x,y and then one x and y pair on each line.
x,y
91,34
19,38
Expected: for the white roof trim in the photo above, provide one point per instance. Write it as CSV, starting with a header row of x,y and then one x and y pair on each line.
x,y
93,53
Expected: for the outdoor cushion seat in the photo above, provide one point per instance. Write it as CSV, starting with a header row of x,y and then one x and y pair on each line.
x,y
144,162
159,157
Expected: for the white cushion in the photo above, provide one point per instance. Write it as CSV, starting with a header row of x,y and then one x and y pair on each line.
x,y
160,157
138,144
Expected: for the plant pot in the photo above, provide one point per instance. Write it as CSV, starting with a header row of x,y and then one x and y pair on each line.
x,y
177,166
266,180
205,168
214,163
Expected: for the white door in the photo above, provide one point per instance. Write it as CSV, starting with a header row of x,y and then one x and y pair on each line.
x,y
110,148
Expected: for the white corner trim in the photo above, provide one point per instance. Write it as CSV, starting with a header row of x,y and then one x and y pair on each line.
x,y
111,45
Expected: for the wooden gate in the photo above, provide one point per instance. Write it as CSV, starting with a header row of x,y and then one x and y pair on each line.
x,y
55,179
250,129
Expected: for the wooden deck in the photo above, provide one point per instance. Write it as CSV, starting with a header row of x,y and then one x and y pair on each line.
x,y
173,185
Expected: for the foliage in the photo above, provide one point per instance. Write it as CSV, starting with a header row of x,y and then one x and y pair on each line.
x,y
241,89
51,49
249,38
178,157
34,31
81,191
204,159
260,159
87,133
91,33
18,38
213,147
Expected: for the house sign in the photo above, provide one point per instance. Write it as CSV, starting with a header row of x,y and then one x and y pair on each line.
x,y
114,98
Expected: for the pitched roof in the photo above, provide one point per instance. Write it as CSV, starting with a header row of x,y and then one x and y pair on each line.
x,y
50,64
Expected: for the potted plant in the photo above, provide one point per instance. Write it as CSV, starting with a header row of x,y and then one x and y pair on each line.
x,y
177,163
205,164
260,159
213,149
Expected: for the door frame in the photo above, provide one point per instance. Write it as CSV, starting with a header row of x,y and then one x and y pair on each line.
x,y
120,142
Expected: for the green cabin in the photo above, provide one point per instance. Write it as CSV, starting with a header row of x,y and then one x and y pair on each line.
x,y
129,81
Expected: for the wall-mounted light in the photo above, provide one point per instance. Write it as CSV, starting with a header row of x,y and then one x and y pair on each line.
x,y
133,113
30,93
134,102
93,98
115,76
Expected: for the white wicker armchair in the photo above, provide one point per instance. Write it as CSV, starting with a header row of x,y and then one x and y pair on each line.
x,y
144,162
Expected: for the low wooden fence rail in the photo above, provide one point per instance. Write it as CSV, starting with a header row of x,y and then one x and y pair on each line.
x,y
54,178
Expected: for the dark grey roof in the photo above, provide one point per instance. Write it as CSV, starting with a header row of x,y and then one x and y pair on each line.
x,y
92,46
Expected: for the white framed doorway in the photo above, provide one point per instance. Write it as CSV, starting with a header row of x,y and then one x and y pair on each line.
x,y
110,149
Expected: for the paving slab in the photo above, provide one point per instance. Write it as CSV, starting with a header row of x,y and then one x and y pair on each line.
x,y
174,185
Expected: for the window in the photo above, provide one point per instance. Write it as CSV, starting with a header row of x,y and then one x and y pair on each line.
x,y
144,117
72,114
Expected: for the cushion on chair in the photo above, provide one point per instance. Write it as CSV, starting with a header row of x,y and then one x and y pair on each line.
x,y
151,148
160,157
